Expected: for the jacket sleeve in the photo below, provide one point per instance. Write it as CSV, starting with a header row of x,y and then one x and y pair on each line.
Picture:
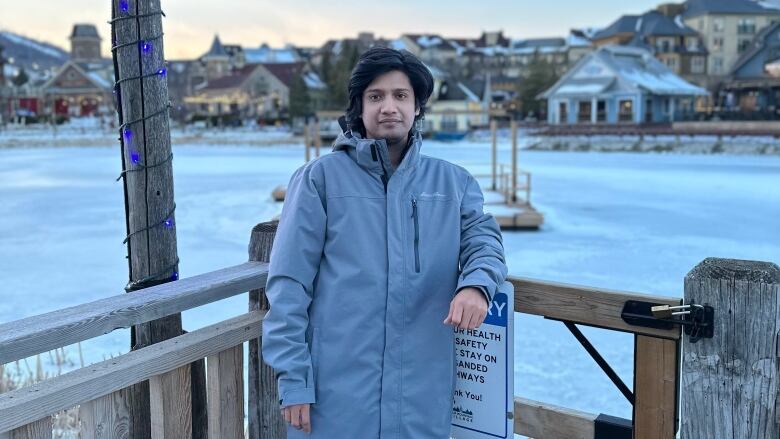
x,y
295,260
482,263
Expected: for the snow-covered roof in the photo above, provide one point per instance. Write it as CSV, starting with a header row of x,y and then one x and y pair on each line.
x,y
32,44
624,69
650,23
428,41
470,95
99,79
573,40
313,81
267,55
398,44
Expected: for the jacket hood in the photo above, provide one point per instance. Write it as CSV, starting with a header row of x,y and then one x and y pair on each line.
x,y
374,155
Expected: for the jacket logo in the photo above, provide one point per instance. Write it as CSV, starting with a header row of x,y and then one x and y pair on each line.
x,y
433,195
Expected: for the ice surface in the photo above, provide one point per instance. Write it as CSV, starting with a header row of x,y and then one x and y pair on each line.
x,y
634,222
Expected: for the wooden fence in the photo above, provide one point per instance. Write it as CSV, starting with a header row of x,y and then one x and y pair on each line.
x,y
98,388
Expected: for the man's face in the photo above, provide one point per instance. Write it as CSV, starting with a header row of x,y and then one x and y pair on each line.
x,y
388,107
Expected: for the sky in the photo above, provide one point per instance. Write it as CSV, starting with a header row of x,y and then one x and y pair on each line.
x,y
191,25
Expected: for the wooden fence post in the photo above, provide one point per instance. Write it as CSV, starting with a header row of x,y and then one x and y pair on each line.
x,y
306,140
513,126
142,95
494,148
107,417
730,382
225,371
265,418
655,387
40,429
317,138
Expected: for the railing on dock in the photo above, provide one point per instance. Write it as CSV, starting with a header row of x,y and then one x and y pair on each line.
x,y
98,388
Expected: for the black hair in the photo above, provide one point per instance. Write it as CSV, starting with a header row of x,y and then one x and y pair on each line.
x,y
377,61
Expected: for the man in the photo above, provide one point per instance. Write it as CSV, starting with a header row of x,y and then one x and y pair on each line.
x,y
380,251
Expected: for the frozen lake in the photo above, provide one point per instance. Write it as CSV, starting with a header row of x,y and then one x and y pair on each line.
x,y
635,222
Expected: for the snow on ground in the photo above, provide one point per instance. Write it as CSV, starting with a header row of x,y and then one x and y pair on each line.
x,y
635,222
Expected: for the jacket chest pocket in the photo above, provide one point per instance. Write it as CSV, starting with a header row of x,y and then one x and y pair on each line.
x,y
428,212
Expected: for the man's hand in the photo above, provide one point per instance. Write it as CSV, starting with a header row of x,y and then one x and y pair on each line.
x,y
298,416
468,309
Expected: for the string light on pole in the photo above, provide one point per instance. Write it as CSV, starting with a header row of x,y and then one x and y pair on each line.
x,y
127,137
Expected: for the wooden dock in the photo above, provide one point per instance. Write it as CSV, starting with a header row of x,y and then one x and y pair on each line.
x,y
659,387
506,197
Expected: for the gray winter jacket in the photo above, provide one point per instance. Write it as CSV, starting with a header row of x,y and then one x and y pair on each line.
x,y
365,263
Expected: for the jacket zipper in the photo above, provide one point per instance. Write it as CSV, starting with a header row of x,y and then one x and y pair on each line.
x,y
374,155
416,236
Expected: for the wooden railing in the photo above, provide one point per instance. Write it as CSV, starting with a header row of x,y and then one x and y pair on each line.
x,y
93,387
97,388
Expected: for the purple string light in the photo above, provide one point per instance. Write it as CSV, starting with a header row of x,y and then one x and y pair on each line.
x,y
146,46
162,71
124,6
168,223
175,275
134,157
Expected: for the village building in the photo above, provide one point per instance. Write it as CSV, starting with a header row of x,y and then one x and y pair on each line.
x,y
620,84
255,91
752,87
727,29
83,86
456,106
673,42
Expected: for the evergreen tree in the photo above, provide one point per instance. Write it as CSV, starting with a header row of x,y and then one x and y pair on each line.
x,y
300,102
339,76
541,76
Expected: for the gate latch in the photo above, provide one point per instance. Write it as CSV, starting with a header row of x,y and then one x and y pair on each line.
x,y
697,320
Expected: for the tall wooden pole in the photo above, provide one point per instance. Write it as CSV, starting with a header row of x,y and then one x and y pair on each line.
x,y
493,133
514,160
265,419
149,201
730,382
306,140
317,138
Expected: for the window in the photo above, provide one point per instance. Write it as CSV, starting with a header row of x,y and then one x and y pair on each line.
x,y
583,115
671,63
449,122
746,26
717,65
743,45
717,44
718,25
601,111
626,110
697,64
563,115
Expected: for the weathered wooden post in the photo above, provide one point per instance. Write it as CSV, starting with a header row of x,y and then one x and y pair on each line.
x,y
494,147
514,161
265,419
317,138
306,140
142,98
730,381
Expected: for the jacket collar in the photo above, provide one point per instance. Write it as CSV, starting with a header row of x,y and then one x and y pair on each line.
x,y
374,155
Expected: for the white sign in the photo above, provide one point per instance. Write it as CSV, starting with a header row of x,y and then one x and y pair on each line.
x,y
484,386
